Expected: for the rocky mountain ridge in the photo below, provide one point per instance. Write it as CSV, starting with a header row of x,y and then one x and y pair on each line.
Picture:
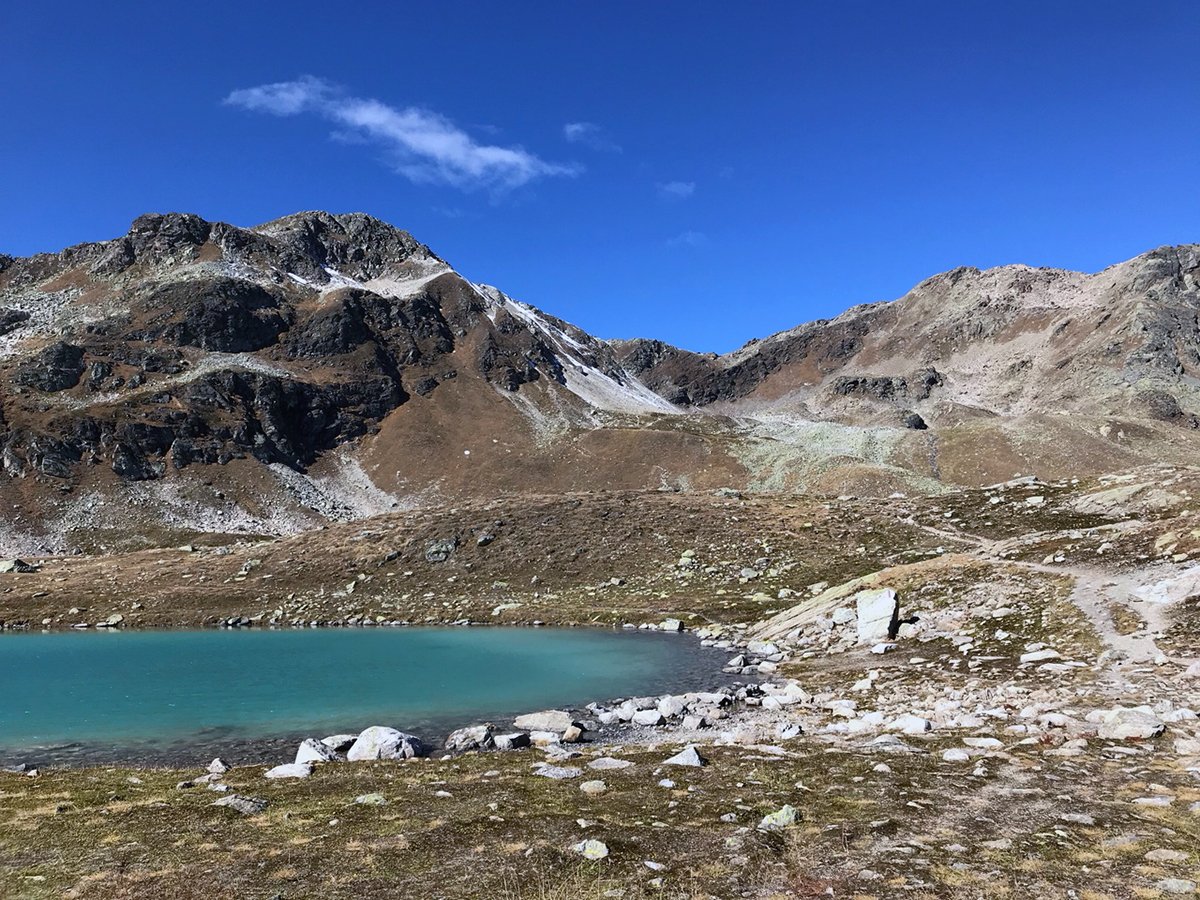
x,y
264,380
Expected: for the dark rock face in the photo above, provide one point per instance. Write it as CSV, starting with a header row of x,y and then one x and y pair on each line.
x,y
338,328
12,319
913,421
56,368
223,314
699,380
888,388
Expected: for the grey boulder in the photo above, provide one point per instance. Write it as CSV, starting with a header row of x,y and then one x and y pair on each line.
x,y
311,751
475,737
381,742
689,756
555,720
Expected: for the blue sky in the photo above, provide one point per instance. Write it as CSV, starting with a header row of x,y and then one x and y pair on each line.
x,y
700,172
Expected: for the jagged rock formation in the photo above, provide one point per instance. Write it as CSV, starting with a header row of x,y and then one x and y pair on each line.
x,y
323,366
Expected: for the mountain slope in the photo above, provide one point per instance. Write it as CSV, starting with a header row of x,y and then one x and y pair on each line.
x,y
195,377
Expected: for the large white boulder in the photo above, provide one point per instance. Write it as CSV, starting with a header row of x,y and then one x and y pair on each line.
x,y
1127,723
876,611
547,720
381,742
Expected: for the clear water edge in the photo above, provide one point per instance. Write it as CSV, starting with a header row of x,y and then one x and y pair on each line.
x,y
167,696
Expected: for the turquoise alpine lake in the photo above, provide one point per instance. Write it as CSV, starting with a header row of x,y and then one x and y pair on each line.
x,y
172,695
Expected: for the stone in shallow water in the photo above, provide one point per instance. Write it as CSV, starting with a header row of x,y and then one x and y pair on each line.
x,y
648,717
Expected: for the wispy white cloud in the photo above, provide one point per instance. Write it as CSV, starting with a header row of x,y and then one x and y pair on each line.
x,y
677,190
425,146
688,239
590,135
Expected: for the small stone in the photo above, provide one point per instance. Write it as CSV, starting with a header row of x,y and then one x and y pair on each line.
x,y
983,743
1153,802
247,806
1176,886
781,818
593,787
572,734
689,756
289,770
607,762
370,800
954,754
558,773
217,767
648,717
1040,656
591,849
1163,855
1078,818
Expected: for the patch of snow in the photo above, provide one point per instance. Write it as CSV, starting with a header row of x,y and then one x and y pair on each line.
x,y
622,393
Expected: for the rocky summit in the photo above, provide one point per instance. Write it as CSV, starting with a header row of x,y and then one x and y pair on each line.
x,y
193,378
942,549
